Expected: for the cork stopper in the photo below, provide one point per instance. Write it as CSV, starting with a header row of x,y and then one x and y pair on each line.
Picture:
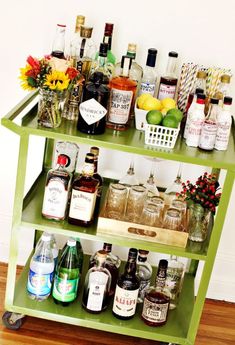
x,y
86,31
201,75
225,78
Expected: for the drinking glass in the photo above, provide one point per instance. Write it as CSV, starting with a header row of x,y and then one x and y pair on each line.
x,y
116,201
179,205
150,215
135,203
130,178
158,201
172,219
150,184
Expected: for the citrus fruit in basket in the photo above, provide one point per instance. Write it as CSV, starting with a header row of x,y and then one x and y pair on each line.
x,y
154,117
152,104
178,114
170,121
168,103
141,99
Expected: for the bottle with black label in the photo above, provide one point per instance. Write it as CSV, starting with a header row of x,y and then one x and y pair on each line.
x,y
93,109
168,82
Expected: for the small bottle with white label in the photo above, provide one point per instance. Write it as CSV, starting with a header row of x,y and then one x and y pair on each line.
x,y
127,289
97,285
191,110
209,127
57,191
196,121
83,196
148,82
122,97
94,105
224,122
168,82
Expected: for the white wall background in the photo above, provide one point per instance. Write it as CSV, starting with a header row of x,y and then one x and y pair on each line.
x,y
200,32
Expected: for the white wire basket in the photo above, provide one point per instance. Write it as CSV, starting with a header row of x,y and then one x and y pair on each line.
x,y
161,136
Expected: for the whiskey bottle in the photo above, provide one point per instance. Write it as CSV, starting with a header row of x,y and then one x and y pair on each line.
x,y
122,96
59,42
97,285
93,109
149,79
157,301
127,289
144,273
57,191
168,82
95,150
174,279
84,192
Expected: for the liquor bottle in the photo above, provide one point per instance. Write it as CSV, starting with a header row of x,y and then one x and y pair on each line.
x,y
101,64
223,89
67,275
94,105
97,285
70,151
112,263
209,127
174,279
74,44
144,273
127,289
148,82
122,96
136,71
168,82
41,270
196,121
157,300
59,42
224,122
95,150
200,83
191,110
108,34
57,191
84,192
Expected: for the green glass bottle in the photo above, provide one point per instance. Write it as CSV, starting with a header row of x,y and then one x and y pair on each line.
x,y
67,275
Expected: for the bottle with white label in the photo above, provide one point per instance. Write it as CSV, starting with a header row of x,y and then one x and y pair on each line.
x,y
97,285
41,270
224,122
84,193
94,105
127,289
196,121
148,82
209,127
168,82
57,191
122,96
191,110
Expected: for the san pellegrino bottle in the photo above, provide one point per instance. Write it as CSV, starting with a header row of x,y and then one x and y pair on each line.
x,y
57,191
209,127
127,289
75,41
191,110
168,82
149,79
174,279
41,271
144,273
196,121
97,285
58,46
157,300
67,275
224,122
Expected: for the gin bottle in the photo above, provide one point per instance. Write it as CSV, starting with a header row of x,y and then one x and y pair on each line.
x,y
148,82
174,280
144,273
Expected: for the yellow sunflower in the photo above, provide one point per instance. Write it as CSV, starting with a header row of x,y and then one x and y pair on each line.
x,y
24,78
57,81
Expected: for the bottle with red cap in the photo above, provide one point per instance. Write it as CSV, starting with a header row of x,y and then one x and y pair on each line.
x,y
57,191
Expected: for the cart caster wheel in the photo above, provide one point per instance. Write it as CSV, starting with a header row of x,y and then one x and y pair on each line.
x,y
12,320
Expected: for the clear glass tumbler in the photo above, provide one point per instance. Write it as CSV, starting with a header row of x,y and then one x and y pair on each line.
x,y
172,219
150,215
116,201
135,203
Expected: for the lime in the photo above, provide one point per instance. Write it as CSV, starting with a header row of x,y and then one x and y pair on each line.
x,y
168,103
154,117
178,114
170,121
152,104
142,98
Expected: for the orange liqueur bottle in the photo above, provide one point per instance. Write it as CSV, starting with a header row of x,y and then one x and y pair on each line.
x,y
122,94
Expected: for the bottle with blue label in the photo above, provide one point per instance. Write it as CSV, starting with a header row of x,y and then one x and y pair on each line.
x,y
41,270
149,79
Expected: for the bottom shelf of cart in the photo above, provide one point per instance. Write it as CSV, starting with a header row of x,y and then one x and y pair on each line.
x,y
175,330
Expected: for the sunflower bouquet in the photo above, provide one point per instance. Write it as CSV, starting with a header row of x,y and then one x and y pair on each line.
x,y
53,77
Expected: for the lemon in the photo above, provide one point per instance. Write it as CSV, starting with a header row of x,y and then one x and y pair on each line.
x,y
168,103
178,114
164,111
170,121
154,117
152,104
142,98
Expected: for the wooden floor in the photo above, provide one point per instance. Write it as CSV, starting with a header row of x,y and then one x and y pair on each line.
x,y
217,328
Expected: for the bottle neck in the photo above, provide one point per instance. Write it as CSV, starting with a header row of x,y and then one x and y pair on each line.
x,y
108,40
125,70
130,268
161,278
142,258
171,67
200,105
95,164
102,61
227,107
107,247
212,113
131,55
88,169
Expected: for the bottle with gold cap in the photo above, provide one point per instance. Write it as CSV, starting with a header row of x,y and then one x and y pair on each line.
x,y
80,20
223,89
